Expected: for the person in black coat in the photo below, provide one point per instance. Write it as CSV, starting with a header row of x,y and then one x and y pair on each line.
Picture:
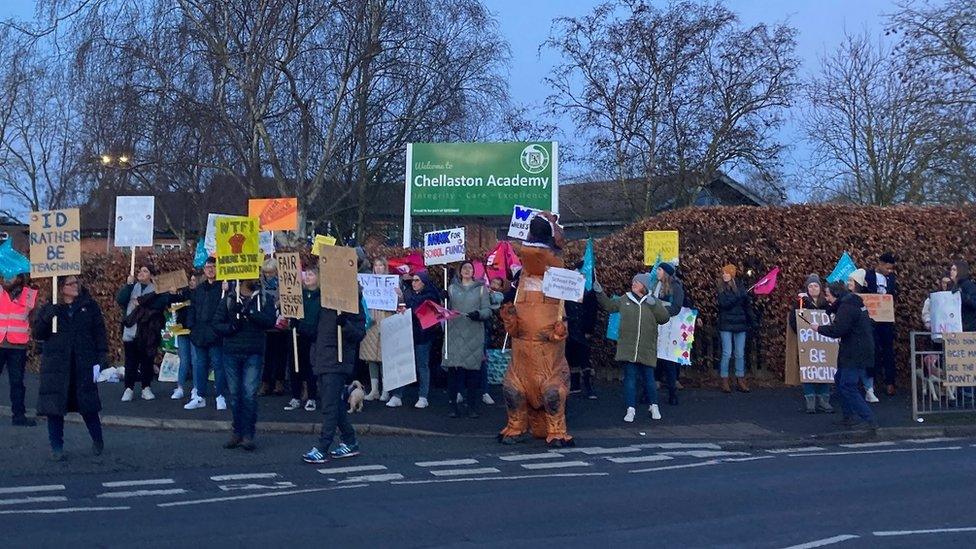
x,y
581,322
852,326
207,344
670,290
882,280
961,278
70,357
734,322
333,375
142,323
421,289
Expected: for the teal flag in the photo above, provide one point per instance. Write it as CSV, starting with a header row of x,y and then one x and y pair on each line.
x,y
200,257
589,264
11,262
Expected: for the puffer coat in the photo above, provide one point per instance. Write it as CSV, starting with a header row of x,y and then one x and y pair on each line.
x,y
466,337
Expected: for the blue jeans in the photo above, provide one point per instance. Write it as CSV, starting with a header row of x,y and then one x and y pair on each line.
x,y
866,380
813,389
421,354
205,359
850,394
739,338
631,371
243,378
185,351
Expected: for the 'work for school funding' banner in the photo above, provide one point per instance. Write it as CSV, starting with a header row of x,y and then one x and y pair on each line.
x,y
238,251
480,178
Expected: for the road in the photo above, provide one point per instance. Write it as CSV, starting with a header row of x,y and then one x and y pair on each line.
x,y
165,488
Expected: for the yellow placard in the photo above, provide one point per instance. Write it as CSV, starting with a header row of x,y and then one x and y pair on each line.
x,y
239,255
322,240
660,243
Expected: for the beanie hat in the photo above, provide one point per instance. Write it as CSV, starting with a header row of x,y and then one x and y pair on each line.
x,y
644,279
668,268
730,270
860,276
814,278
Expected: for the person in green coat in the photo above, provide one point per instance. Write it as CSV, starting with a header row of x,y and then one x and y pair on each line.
x,y
465,338
640,315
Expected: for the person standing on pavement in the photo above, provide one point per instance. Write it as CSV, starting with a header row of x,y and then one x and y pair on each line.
x,y
815,395
242,321
141,326
963,283
421,289
882,280
333,375
70,358
207,344
581,320
669,290
852,326
183,346
640,315
308,329
278,342
734,320
370,351
17,301
465,346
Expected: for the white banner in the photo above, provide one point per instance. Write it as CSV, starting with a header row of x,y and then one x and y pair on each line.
x,y
396,345
563,284
521,217
379,291
442,247
946,313
134,221
675,339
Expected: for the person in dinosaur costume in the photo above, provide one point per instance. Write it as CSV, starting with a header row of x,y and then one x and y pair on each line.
x,y
537,381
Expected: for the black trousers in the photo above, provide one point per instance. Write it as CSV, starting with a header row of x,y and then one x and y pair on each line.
x,y
15,360
884,352
277,356
139,363
334,411
304,370
459,378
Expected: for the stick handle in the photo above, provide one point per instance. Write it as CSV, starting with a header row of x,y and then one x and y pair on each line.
x,y
132,262
54,300
294,347
339,346
444,351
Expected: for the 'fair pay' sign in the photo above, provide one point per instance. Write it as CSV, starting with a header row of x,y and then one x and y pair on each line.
x,y
442,247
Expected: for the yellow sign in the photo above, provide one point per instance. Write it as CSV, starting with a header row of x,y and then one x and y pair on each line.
x,y
660,243
239,255
322,240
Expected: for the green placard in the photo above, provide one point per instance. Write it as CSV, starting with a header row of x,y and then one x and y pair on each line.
x,y
480,179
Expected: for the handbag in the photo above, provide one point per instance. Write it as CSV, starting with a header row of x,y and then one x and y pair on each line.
x,y
498,361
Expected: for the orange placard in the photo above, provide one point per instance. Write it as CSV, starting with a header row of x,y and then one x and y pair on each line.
x,y
276,214
881,307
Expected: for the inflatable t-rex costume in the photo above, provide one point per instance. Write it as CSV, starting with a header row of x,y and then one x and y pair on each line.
x,y
537,381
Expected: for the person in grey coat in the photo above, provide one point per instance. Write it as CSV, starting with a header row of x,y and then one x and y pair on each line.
x,y
465,338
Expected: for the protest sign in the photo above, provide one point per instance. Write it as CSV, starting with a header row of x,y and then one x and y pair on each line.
x,y
210,237
275,214
945,309
290,285
521,217
266,242
881,307
960,360
396,350
322,240
663,244
379,291
675,339
134,221
340,287
171,281
816,354
565,284
442,247
55,243
238,253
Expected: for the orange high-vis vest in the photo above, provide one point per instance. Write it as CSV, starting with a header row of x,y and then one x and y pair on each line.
x,y
14,325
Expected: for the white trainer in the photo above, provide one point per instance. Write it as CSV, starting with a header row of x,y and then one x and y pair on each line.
x,y
293,404
394,402
869,396
310,406
177,394
486,398
655,411
460,398
193,393
195,403
373,395
147,394
221,403
629,418
421,403
128,395
384,396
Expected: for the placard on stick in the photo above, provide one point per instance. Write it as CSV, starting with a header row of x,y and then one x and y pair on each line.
x,y
881,307
564,284
340,287
443,247
379,291
960,359
661,243
816,354
290,285
239,254
275,214
134,221
55,243
171,281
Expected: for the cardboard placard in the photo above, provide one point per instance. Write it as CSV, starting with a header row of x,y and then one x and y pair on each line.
x,y
290,285
960,360
239,254
134,221
675,339
816,354
564,284
275,214
521,217
443,247
55,243
396,347
881,307
660,243
340,287
379,291
171,281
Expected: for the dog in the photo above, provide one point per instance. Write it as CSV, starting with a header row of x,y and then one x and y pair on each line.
x,y
356,396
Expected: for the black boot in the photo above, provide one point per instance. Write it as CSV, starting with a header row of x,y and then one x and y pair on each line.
x,y
454,411
588,385
474,394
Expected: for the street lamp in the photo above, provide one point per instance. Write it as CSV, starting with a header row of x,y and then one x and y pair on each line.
x,y
106,159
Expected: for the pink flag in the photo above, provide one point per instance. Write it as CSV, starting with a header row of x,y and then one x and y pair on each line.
x,y
430,313
500,261
766,284
412,263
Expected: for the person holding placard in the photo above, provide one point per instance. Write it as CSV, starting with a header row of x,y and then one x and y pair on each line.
x,y
815,395
184,307
307,328
71,357
421,289
882,280
370,350
465,337
141,325
734,321
669,290
207,344
857,283
581,321
278,342
17,301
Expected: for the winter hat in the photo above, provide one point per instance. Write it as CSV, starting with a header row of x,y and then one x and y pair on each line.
x,y
888,257
668,268
814,278
730,270
424,277
860,276
644,279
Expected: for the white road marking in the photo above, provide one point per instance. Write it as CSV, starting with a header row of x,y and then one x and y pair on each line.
x,y
373,478
823,542
461,472
26,489
868,444
932,440
890,451
254,496
251,486
42,499
639,459
62,510
599,451
704,453
142,493
750,458
554,465
679,445
515,477
147,482
796,450
528,457
932,531
244,476
357,469
670,467
446,463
